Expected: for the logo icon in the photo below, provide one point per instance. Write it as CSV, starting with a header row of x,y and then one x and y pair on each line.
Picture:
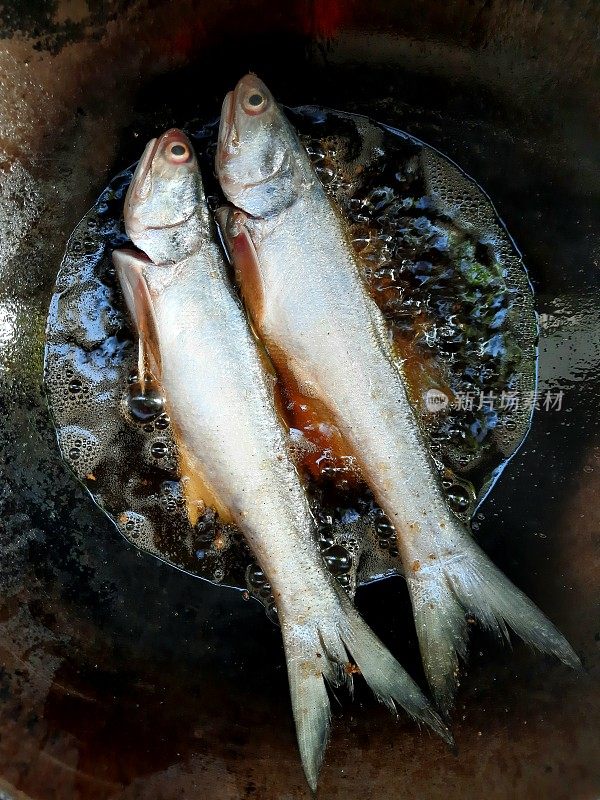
x,y
435,400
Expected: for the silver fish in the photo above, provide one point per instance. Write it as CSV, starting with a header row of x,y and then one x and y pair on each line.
x,y
302,285
197,346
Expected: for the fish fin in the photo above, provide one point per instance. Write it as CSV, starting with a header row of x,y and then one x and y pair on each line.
x,y
242,255
244,258
129,265
310,702
332,650
295,408
467,582
197,491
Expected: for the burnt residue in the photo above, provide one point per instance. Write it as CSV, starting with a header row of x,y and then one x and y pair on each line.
x,y
123,678
51,25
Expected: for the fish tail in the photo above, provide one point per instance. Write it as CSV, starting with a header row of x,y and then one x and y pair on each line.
x,y
332,650
443,590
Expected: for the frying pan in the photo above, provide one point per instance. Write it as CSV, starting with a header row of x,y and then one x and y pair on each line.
x,y
123,678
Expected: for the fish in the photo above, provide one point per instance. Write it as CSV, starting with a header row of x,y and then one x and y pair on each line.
x,y
196,346
301,283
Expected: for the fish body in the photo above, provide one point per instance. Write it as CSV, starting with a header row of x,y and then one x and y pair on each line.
x,y
197,344
301,282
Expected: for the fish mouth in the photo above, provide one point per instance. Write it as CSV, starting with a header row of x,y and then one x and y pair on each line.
x,y
140,183
227,133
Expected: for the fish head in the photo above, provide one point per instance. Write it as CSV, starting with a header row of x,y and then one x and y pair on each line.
x,y
257,156
165,210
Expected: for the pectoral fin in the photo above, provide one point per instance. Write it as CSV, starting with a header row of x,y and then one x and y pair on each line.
x,y
130,271
296,409
245,260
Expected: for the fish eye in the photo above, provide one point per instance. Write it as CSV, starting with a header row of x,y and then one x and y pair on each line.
x,y
178,152
255,103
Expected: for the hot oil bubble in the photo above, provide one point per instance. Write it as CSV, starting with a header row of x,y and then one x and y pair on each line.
x,y
256,577
326,540
159,449
137,528
81,449
87,314
337,559
162,423
171,497
218,575
458,497
146,405
379,198
315,150
385,532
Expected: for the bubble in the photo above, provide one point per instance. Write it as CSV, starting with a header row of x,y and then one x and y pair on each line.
x,y
159,449
337,559
137,528
146,405
326,539
256,577
380,197
385,529
458,497
81,448
205,528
